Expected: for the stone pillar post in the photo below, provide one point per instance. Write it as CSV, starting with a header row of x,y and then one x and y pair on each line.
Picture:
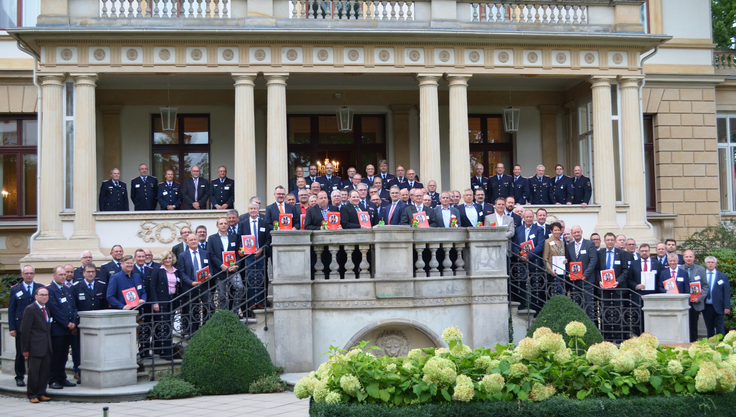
x,y
277,156
85,161
666,316
633,159
51,159
548,115
7,352
459,143
393,261
108,348
111,134
244,173
604,178
430,167
402,130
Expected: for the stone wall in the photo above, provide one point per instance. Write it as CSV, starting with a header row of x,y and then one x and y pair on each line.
x,y
686,155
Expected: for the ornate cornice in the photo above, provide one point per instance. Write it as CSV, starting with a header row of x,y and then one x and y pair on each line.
x,y
390,303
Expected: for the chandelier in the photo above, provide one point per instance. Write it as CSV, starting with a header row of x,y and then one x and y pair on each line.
x,y
321,166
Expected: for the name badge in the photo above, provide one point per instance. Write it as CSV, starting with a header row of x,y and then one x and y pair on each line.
x,y
306,186
227,188
138,287
551,243
206,261
111,188
720,282
232,244
617,262
679,279
81,297
262,229
202,186
165,193
137,186
19,294
531,236
62,300
583,251
476,186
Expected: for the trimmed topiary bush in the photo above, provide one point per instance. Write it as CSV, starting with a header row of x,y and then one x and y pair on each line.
x,y
171,387
558,312
270,383
225,357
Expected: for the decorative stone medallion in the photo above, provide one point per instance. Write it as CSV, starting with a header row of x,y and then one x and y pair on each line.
x,y
384,55
322,55
196,54
414,56
618,58
292,55
393,343
228,54
66,54
444,56
99,54
561,58
532,57
131,54
164,54
589,58
353,55
474,56
503,57
260,55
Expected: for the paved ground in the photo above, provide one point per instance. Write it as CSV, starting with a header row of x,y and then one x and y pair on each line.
x,y
281,404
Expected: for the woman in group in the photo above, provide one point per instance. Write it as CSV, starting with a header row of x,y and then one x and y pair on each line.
x,y
554,246
166,286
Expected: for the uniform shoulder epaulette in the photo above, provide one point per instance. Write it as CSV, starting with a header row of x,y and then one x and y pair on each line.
x,y
75,283
101,282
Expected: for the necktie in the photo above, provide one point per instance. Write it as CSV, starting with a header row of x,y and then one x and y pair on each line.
x,y
67,284
646,265
91,287
357,208
195,261
673,274
281,208
254,230
324,214
710,287
577,249
117,264
45,316
28,289
609,260
201,246
575,180
195,189
116,183
232,230
391,212
526,233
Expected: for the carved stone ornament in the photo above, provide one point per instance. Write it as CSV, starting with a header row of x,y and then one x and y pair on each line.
x,y
99,54
618,58
353,55
66,54
532,57
414,56
151,231
474,56
228,54
503,57
322,55
393,343
561,58
384,55
196,54
292,54
444,56
16,242
260,55
131,54
164,54
589,58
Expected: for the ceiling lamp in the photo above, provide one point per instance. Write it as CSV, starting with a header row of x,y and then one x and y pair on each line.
x,y
168,115
511,119
345,119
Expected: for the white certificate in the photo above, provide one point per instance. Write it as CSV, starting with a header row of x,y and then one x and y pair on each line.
x,y
558,265
648,279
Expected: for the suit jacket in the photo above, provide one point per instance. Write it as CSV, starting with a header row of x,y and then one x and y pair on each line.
x,y
313,219
517,219
113,198
435,199
541,191
187,271
62,308
79,274
563,189
330,184
349,217
144,194
581,190
272,214
178,248
108,270
464,221
551,248
160,286
203,193
121,281
222,193
18,300
399,182
521,190
505,221
681,280
588,255
408,215
215,249
35,331
395,220
413,184
145,275
698,274
372,209
368,181
169,195
263,234
88,300
488,209
386,180
546,229
478,183
635,270
440,219
499,188
720,292
536,236
620,265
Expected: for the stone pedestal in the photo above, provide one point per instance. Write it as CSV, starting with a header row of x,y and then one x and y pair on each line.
x,y
108,348
8,345
666,316
393,261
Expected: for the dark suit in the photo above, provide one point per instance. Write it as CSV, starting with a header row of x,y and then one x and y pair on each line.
x,y
121,281
440,220
64,311
108,270
79,274
203,193
563,189
478,183
255,267
222,192
313,219
160,295
368,181
435,199
188,274
487,209
521,190
463,220
144,193
386,180
86,300
36,340
719,298
517,219
541,190
214,251
395,218
518,283
169,195
409,211
588,255
581,190
113,198
635,272
413,184
371,208
499,188
349,217
614,300
399,182
272,214
330,184
18,299
178,249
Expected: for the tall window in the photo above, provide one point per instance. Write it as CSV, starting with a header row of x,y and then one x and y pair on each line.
x,y
18,164
726,130
585,139
68,100
489,144
617,145
649,181
180,150
17,13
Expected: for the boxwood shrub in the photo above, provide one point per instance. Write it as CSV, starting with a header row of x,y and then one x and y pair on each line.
x,y
171,387
558,312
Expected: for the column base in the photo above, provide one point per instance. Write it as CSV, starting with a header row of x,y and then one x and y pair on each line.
x,y
641,232
46,253
602,228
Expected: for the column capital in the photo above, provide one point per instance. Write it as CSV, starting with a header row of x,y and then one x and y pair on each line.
x,y
276,78
89,79
600,81
428,79
244,78
630,81
52,79
460,80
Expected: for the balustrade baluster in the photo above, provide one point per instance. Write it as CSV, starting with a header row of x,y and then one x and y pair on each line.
x,y
474,9
359,9
575,17
401,10
433,264
419,248
583,12
139,9
393,9
459,262
349,264
191,9
545,10
125,6
225,12
499,15
217,9
155,8
384,6
103,8
334,266
207,8
364,265
319,10
409,13
446,263
294,8
319,267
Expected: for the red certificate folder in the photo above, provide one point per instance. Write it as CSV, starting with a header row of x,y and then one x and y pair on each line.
x,y
421,219
608,279
695,291
671,286
285,221
333,220
526,248
576,270
228,258
248,244
365,220
301,220
131,297
203,273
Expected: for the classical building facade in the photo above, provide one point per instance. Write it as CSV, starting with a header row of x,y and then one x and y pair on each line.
x,y
626,89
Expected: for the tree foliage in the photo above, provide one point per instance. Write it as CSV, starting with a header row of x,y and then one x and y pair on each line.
x,y
724,15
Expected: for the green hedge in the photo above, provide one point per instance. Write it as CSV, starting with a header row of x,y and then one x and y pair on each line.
x,y
657,406
171,387
558,312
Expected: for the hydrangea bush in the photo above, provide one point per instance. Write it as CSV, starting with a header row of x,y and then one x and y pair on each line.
x,y
538,368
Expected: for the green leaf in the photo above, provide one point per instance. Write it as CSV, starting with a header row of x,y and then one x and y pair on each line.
x,y
446,394
642,388
433,389
678,387
625,389
582,394
372,389
384,395
361,395
655,381
522,395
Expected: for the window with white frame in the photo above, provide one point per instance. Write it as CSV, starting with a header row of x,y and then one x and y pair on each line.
x,y
585,139
68,101
617,146
19,13
726,130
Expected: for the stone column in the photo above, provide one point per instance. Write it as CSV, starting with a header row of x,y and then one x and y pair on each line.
x,y
459,143
604,177
111,137
402,141
633,159
51,160
277,154
244,173
548,115
85,160
430,167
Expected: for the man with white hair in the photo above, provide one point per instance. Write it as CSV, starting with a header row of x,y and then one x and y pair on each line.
x,y
541,188
718,301
79,272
